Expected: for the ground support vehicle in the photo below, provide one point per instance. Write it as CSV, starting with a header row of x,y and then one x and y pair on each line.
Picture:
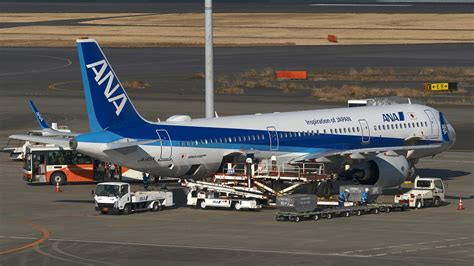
x,y
278,179
116,198
427,192
346,211
205,194
50,164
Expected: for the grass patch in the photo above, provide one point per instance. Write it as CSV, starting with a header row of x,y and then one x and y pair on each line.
x,y
198,75
135,84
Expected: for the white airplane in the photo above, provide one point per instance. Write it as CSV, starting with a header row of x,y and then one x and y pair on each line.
x,y
379,143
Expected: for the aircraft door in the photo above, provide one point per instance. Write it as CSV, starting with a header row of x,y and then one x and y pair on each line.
x,y
434,128
166,144
365,131
273,137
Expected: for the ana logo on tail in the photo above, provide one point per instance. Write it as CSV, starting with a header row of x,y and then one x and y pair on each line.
x,y
120,100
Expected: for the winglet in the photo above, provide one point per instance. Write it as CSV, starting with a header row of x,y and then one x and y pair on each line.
x,y
39,118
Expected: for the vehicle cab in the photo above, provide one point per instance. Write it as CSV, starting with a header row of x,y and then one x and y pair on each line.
x,y
111,196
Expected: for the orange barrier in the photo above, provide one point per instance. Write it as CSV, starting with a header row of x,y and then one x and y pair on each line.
x,y
292,74
332,38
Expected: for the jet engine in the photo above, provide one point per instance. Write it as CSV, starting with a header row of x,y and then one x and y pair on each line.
x,y
383,170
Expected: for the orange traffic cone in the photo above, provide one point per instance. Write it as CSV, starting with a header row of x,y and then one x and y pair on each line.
x,y
57,187
460,205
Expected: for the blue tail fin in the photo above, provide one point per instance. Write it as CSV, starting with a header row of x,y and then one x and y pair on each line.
x,y
108,105
39,118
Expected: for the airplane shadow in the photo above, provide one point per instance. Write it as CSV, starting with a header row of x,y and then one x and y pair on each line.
x,y
445,174
76,201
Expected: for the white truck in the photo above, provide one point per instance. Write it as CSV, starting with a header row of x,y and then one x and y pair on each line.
x,y
204,194
116,198
427,192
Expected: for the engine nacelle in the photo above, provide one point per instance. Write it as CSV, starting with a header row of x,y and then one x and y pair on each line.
x,y
385,171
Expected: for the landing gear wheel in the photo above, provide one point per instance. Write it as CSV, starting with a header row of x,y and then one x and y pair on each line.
x,y
58,177
202,204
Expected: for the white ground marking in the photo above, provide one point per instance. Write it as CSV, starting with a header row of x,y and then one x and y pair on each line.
x,y
362,5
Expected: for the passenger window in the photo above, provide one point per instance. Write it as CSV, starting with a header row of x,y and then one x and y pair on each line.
x,y
331,130
375,128
324,131
235,139
263,137
230,140
357,129
396,126
417,124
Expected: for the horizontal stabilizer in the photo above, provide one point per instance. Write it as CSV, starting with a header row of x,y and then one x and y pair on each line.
x,y
59,141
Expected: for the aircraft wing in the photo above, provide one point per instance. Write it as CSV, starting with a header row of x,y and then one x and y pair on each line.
x,y
360,154
62,142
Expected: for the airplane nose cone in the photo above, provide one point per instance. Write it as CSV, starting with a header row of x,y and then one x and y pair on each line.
x,y
452,134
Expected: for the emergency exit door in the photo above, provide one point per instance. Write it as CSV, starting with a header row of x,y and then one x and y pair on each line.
x,y
166,144
273,137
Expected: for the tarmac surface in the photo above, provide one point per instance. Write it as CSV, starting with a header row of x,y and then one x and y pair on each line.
x,y
63,229
233,6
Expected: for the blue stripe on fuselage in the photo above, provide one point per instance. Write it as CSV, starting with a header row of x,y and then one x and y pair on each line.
x,y
303,143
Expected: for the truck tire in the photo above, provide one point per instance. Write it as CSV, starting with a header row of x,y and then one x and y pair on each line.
x,y
436,202
329,216
347,214
387,209
376,211
316,217
237,206
358,213
418,204
324,189
297,219
155,207
127,209
202,204
58,177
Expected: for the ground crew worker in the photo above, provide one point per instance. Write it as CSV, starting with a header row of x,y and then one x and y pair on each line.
x,y
364,197
112,171
146,180
343,197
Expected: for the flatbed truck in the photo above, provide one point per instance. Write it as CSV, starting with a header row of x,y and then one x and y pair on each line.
x,y
427,192
345,211
116,198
